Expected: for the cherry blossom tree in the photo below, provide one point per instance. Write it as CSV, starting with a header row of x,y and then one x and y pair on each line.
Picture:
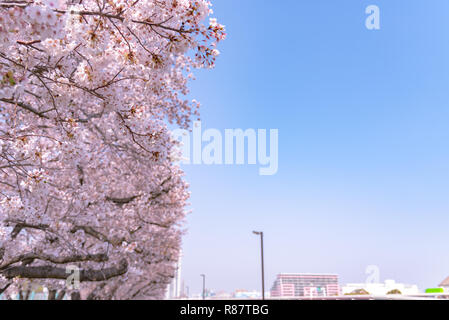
x,y
88,89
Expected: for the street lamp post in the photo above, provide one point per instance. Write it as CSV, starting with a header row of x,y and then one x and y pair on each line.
x,y
204,285
260,233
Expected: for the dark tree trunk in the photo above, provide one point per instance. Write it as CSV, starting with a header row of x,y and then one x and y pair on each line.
x,y
4,288
51,294
75,295
61,295
27,295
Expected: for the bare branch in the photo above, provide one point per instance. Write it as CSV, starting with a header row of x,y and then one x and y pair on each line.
x,y
25,106
29,257
50,272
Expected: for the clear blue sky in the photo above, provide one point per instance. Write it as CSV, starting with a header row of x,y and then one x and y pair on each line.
x,y
363,119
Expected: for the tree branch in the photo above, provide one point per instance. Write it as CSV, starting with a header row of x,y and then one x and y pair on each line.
x,y
122,200
25,106
26,258
50,272
21,225
96,234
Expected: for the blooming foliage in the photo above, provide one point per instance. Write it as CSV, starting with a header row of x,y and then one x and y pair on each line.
x,y
87,88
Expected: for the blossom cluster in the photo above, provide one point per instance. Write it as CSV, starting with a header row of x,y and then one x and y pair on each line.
x,y
87,90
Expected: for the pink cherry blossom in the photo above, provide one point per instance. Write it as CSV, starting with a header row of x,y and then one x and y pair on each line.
x,y
87,173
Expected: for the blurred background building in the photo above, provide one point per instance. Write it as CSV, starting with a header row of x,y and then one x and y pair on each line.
x,y
305,285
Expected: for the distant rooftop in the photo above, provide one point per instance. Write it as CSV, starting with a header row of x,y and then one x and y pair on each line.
x,y
308,274
445,283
